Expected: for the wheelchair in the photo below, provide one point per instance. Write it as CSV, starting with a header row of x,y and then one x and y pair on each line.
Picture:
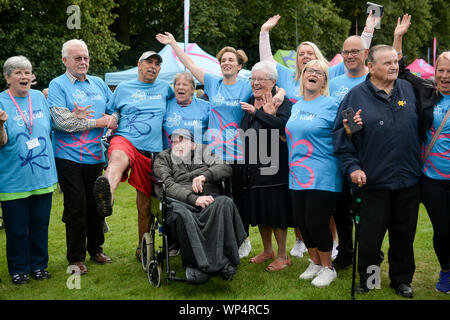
x,y
153,259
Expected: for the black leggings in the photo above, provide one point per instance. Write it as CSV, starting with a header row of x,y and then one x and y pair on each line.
x,y
312,211
435,196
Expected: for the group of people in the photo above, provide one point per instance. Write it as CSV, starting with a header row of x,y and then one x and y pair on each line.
x,y
280,136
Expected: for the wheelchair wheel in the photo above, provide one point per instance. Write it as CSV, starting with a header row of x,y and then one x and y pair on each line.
x,y
154,273
147,250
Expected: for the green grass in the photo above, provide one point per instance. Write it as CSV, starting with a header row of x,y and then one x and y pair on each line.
x,y
124,279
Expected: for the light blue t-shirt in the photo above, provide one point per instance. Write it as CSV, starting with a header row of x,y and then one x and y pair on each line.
x,y
286,80
194,117
312,164
142,107
438,161
22,168
81,147
226,115
342,84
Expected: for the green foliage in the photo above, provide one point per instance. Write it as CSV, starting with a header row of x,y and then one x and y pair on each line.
x,y
37,30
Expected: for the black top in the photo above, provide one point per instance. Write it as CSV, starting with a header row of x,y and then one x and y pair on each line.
x,y
265,168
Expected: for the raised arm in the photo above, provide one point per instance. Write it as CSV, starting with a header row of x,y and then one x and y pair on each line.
x,y
167,38
265,52
371,23
399,32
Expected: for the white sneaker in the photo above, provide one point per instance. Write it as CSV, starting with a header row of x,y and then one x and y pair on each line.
x,y
324,277
335,251
299,249
245,248
311,271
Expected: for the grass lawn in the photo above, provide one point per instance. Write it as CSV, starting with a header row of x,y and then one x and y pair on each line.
x,y
124,279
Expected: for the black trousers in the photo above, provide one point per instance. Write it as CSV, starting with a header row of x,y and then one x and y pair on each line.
x,y
238,194
344,222
312,211
436,198
84,226
395,211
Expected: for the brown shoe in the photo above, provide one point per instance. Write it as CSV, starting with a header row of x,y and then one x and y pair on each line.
x,y
101,258
79,266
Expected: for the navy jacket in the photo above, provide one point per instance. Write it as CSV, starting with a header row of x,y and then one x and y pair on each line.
x,y
387,149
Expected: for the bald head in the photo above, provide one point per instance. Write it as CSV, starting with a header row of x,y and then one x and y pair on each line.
x,y
354,54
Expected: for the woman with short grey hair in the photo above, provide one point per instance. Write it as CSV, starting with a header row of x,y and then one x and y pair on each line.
x,y
28,177
265,185
185,110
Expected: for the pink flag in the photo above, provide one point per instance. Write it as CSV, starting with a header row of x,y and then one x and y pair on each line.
x,y
434,51
186,23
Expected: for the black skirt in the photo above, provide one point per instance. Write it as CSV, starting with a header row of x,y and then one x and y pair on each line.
x,y
269,206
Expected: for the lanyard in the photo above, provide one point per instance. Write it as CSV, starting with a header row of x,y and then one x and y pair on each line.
x,y
30,114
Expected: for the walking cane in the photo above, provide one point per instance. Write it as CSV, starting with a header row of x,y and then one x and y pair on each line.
x,y
355,191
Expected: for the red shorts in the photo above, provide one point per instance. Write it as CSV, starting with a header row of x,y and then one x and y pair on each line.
x,y
140,166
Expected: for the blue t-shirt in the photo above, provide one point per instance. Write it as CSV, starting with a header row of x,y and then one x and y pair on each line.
x,y
438,161
142,107
337,70
312,164
24,169
342,84
81,147
286,80
226,115
194,117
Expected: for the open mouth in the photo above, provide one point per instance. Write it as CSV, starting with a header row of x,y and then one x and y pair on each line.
x,y
312,80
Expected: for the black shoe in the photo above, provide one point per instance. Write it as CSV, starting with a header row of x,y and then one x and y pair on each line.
x,y
342,262
196,276
403,289
102,195
41,274
20,278
361,288
228,271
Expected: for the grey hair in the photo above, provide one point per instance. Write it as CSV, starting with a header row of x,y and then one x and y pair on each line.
x,y
381,47
187,75
14,63
268,67
363,43
70,43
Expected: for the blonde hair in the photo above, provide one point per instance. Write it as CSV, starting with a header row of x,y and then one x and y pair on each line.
x,y
325,91
444,55
317,52
240,55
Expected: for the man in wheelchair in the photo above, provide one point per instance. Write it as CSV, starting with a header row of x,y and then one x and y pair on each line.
x,y
206,225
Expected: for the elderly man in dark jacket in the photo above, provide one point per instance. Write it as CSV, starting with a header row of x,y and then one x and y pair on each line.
x,y
384,160
207,226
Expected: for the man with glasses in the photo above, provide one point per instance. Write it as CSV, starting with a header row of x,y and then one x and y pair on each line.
x,y
78,103
355,53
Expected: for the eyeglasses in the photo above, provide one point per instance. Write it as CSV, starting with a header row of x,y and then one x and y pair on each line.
x,y
80,58
319,73
257,80
353,52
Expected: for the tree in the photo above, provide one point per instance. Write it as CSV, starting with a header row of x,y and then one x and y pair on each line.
x,y
37,30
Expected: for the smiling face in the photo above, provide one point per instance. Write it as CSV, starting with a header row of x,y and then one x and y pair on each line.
x,y
314,79
442,75
229,64
261,84
19,82
149,69
354,54
385,66
305,54
183,91
77,61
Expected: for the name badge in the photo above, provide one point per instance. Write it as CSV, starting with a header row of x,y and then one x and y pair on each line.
x,y
33,143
